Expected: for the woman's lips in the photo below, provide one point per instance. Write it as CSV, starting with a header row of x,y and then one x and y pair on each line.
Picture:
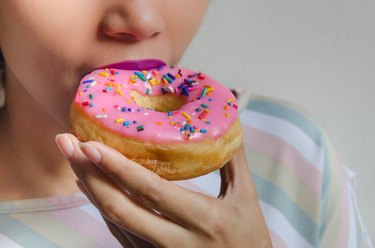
x,y
144,64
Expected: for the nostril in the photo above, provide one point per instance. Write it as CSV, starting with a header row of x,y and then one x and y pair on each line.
x,y
124,23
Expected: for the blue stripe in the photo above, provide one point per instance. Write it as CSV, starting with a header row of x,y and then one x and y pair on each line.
x,y
276,197
22,234
325,188
287,113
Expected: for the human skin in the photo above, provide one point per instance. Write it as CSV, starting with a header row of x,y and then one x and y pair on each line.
x,y
48,46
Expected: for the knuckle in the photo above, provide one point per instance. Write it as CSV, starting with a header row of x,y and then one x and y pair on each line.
x,y
113,212
214,224
150,194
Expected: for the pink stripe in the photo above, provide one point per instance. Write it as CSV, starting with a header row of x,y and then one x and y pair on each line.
x,y
281,151
277,242
87,226
343,235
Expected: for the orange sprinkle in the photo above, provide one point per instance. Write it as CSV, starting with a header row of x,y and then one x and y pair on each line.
x,y
104,109
226,107
165,82
158,123
81,93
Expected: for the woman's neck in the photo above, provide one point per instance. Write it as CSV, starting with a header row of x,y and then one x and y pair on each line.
x,y
30,163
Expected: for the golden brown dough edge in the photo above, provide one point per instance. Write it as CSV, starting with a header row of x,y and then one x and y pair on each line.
x,y
170,161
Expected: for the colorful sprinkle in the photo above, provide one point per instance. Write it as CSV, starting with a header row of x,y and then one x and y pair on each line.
x,y
88,81
140,128
119,92
101,116
119,120
126,123
186,115
204,105
104,74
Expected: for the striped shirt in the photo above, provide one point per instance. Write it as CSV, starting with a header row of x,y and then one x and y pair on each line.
x,y
305,192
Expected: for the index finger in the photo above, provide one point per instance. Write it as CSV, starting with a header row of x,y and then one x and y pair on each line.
x,y
183,206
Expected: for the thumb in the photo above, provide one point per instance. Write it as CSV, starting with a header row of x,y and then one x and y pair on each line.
x,y
235,176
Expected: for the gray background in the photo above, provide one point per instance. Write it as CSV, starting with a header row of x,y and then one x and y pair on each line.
x,y
319,54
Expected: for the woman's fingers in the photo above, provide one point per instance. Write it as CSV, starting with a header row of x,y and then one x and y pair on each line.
x,y
171,200
125,238
115,206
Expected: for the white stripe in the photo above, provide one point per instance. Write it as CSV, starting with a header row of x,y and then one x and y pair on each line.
x,y
280,225
93,212
5,242
288,132
210,183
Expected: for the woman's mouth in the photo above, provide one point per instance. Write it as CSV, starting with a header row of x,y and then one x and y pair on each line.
x,y
144,64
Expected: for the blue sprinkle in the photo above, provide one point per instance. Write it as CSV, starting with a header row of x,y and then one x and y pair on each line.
x,y
129,110
208,122
88,81
210,99
198,109
171,76
187,126
203,130
123,109
135,122
186,91
91,104
126,123
192,129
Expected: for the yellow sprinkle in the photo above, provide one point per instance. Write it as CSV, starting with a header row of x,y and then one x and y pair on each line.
x,y
209,89
186,115
152,81
144,72
226,115
230,100
104,74
158,82
119,120
119,92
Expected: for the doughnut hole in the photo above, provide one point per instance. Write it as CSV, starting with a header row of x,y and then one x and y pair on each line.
x,y
161,103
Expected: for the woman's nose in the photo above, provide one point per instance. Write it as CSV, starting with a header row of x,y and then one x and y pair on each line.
x,y
133,20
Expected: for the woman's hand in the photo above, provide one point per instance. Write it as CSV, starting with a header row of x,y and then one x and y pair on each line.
x,y
142,209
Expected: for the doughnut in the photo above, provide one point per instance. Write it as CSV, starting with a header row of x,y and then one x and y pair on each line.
x,y
174,121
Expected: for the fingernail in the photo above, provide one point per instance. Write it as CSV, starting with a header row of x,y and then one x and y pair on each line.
x,y
90,151
65,145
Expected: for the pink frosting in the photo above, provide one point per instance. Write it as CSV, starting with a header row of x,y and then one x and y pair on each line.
x,y
210,108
